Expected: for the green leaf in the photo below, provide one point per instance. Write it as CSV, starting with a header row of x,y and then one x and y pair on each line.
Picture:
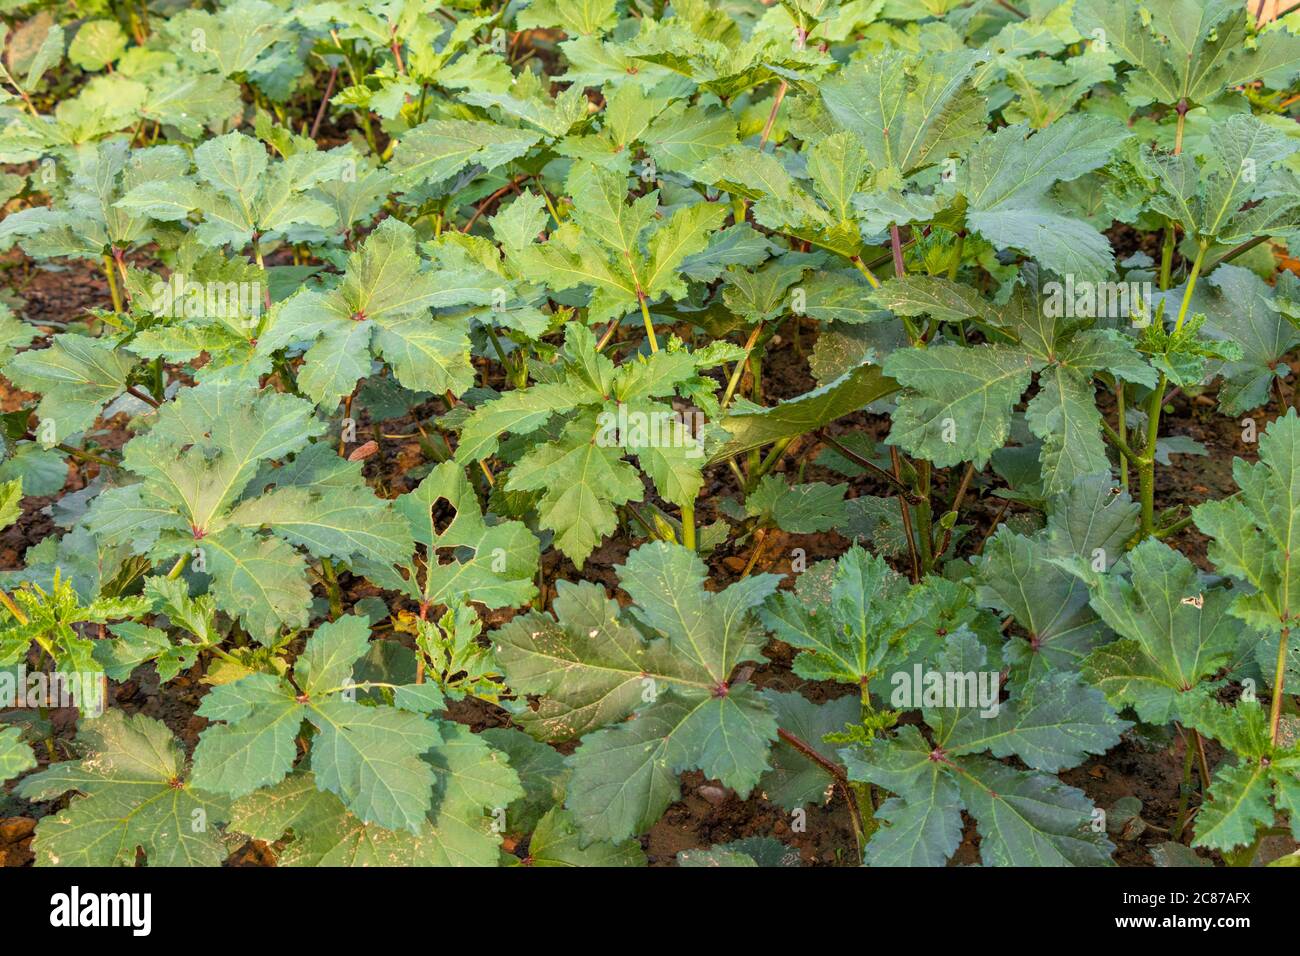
x,y
1237,807
1243,310
574,17
15,756
491,564
1187,51
591,672
794,780
1243,163
135,797
844,631
370,757
1029,577
1174,634
908,111
556,842
381,306
11,502
922,825
1006,185
750,851
1030,819
960,405
438,149
625,776
942,299
750,428
77,377
1253,534
588,669
97,44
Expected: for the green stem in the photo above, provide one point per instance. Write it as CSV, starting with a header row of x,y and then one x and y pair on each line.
x,y
956,256
257,256
1279,681
111,276
688,526
1191,285
178,567
13,608
649,325
1167,256
1121,431
86,456
228,658
1147,463
740,366
771,117
332,588
772,458
866,271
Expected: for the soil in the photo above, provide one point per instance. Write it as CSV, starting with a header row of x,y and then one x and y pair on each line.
x,y
707,812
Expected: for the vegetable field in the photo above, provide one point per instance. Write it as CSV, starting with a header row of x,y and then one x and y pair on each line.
x,y
649,432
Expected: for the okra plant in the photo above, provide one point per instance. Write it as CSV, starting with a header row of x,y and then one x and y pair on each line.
x,y
488,424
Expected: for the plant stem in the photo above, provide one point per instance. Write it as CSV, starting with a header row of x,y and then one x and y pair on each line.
x,y
837,772
740,366
649,325
760,539
866,271
257,255
1121,429
86,456
111,276
861,462
178,567
1167,256
1202,764
772,458
1191,285
1279,682
771,117
896,247
143,396
1184,792
907,516
14,609
1237,250
332,587
320,112
924,529
956,256
688,526
956,507
1147,462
